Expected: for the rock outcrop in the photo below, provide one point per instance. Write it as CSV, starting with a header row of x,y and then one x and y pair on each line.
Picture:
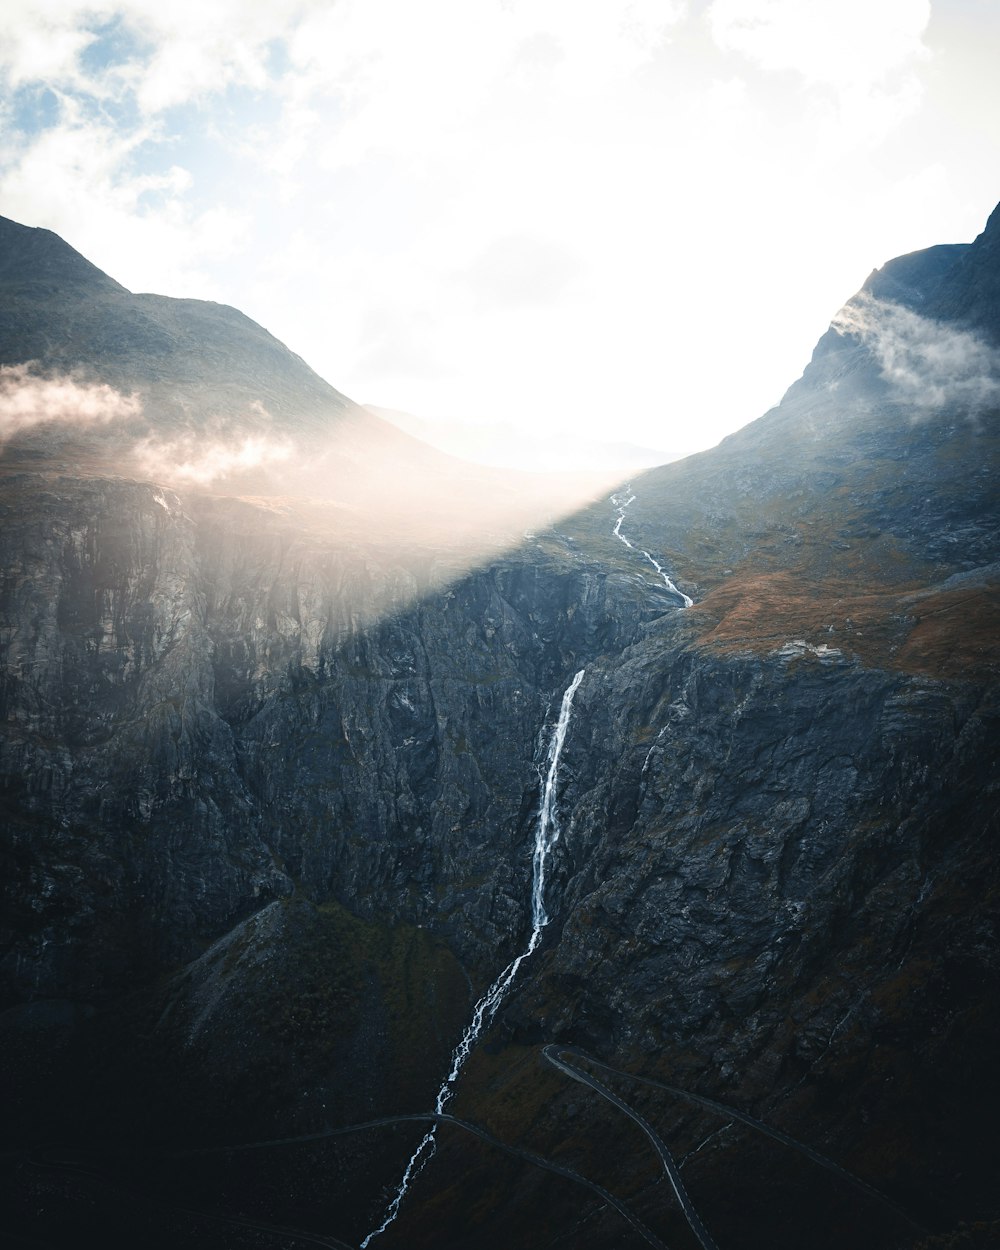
x,y
268,788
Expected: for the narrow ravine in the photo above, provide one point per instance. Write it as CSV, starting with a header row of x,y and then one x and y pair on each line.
x,y
547,832
620,502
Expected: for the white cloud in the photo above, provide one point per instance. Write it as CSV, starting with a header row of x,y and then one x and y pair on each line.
x,y
839,42
930,365
530,210
195,461
79,179
518,270
442,76
858,57
393,342
174,52
43,43
29,399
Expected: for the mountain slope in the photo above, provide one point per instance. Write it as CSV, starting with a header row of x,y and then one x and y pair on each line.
x,y
269,798
871,485
189,358
203,397
969,293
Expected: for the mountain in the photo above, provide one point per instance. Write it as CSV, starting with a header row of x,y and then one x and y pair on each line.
x,y
203,395
969,292
192,360
282,802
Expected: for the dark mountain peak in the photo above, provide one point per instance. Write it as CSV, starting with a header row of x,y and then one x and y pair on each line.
x,y
970,292
950,282
35,259
913,279
888,432
192,361
210,397
956,283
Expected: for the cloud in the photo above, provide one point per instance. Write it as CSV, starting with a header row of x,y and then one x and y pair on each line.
x,y
351,173
929,365
83,178
163,55
100,165
837,42
520,271
393,341
200,462
856,59
29,400
467,82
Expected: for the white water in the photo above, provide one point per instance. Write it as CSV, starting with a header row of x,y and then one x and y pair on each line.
x,y
621,502
547,831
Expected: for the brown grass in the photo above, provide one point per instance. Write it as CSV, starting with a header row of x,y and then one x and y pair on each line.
x,y
946,634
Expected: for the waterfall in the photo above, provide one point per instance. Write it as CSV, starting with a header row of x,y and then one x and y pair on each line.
x,y
547,832
620,502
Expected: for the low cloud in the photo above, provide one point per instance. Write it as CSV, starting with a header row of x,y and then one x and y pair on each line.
x,y
929,365
197,462
29,399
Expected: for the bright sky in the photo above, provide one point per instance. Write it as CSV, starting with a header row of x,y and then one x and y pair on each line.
x,y
631,218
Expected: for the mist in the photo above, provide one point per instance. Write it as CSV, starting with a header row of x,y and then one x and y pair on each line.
x,y
408,517
29,399
397,518
195,461
928,365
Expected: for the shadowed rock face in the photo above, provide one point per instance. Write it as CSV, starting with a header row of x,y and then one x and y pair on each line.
x,y
969,292
267,803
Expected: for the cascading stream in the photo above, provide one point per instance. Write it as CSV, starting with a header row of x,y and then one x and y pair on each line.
x,y
620,502
547,832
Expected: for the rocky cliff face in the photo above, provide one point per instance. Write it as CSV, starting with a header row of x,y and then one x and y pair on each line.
x,y
268,794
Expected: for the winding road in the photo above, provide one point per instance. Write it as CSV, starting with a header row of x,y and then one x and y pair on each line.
x,y
552,1052
439,1117
552,1055
556,1056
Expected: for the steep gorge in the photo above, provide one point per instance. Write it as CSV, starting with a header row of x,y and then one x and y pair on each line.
x,y
268,796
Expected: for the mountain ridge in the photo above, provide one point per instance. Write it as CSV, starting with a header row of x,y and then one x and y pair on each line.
x,y
219,403
268,794
30,252
124,339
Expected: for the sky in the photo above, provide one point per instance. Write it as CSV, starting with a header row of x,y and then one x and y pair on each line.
x,y
625,221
